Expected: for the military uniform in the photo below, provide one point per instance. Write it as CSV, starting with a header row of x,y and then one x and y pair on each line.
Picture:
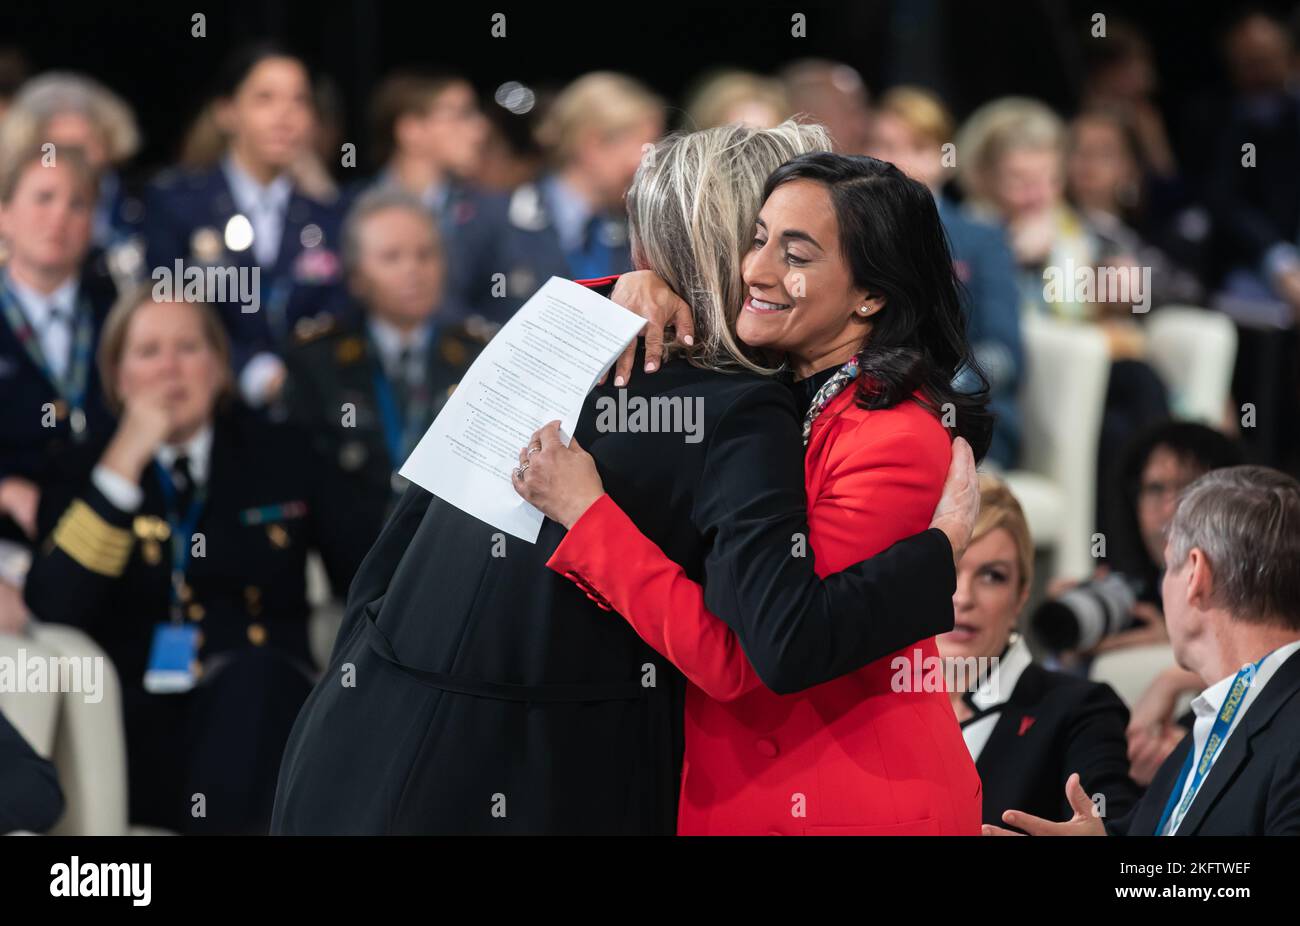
x,y
118,229
109,571
193,217
528,250
339,393
41,418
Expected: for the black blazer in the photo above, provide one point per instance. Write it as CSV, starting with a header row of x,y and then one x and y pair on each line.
x,y
30,797
491,695
1053,725
268,504
28,448
1253,789
334,367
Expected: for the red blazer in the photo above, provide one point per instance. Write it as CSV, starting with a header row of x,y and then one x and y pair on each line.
x,y
853,755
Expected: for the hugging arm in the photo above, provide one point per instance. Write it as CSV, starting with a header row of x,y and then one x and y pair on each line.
x,y
763,614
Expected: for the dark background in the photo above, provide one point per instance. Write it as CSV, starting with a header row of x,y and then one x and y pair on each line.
x,y
968,50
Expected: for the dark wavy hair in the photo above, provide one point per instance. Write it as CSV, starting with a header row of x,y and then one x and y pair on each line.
x,y
896,248
1196,445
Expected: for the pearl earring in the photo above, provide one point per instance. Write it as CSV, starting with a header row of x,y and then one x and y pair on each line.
x,y
865,310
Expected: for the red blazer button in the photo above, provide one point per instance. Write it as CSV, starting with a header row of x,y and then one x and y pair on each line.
x,y
767,747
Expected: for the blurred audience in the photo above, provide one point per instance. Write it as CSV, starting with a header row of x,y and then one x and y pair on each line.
x,y
1121,605
1105,182
834,95
739,97
367,388
52,307
181,549
910,128
1254,189
571,222
75,111
429,141
1012,166
248,212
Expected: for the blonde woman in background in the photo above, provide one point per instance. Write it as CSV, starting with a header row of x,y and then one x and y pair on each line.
x,y
737,98
1026,727
72,110
911,129
571,221
1011,163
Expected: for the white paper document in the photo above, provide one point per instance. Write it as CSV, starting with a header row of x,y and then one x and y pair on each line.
x,y
539,367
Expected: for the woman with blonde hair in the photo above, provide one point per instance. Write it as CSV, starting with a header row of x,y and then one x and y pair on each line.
x,y
76,111
1027,728
503,698
181,548
913,130
738,98
570,222
52,307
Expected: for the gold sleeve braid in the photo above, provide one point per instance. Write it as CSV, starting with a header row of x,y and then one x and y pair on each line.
x,y
93,542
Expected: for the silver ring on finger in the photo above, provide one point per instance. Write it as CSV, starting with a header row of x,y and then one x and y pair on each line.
x,y
533,450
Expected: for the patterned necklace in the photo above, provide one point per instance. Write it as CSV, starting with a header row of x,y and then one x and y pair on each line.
x,y
829,390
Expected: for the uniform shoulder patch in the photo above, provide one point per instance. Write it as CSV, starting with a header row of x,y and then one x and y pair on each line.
x,y
313,328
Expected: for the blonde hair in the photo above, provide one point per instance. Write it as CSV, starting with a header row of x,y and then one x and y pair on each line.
x,y
921,111
603,100
723,91
112,340
691,211
42,98
1010,124
1000,509
15,164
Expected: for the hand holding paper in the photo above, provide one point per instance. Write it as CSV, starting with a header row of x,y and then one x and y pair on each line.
x,y
539,367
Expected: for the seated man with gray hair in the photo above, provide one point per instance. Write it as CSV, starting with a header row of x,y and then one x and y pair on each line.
x,y
367,385
1232,604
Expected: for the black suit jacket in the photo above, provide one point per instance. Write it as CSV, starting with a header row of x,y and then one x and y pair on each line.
x,y
268,503
1053,725
28,448
1253,788
488,694
334,367
30,797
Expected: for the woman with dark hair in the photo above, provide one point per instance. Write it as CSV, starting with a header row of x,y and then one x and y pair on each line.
x,y
500,698
850,281
251,213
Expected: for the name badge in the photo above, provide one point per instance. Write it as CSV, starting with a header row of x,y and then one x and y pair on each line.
x,y
173,665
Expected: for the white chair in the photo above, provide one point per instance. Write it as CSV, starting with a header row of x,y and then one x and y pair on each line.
x,y
34,714
1132,669
1061,403
326,611
1194,351
81,732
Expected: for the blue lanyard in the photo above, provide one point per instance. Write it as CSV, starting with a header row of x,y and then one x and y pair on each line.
x,y
400,434
1175,809
72,386
182,528
594,260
